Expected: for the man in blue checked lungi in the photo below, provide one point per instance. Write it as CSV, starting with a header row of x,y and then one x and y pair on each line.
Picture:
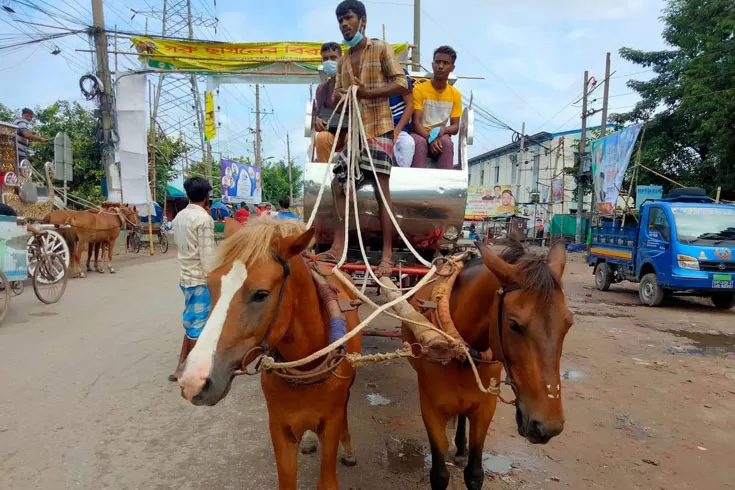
x,y
194,237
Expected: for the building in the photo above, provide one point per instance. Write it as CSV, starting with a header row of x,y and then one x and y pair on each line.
x,y
532,174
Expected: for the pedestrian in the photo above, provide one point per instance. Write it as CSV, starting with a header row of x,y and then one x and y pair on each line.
x,y
24,134
285,212
194,237
242,214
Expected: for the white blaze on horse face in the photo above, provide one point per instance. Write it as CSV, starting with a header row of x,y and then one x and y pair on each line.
x,y
199,362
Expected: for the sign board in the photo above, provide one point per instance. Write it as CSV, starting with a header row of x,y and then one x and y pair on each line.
x,y
483,202
644,193
610,158
13,249
241,183
63,158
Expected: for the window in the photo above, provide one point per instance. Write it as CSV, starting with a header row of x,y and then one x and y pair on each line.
x,y
497,172
482,177
513,172
658,224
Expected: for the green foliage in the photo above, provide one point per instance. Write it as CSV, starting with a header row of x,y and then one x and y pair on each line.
x,y
7,115
690,102
168,151
275,180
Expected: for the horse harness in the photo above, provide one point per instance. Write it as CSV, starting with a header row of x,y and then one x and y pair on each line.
x,y
317,375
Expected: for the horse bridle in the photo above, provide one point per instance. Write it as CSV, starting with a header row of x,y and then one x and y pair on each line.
x,y
263,346
501,300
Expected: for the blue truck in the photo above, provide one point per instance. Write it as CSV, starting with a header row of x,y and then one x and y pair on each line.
x,y
683,244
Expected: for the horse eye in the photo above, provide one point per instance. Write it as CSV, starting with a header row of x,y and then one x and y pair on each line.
x,y
260,296
515,327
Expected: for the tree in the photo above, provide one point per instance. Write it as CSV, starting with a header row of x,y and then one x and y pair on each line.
x,y
275,180
690,103
168,152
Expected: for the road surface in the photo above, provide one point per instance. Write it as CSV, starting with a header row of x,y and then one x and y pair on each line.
x,y
85,403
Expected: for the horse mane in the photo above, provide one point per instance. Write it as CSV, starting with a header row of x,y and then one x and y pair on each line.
x,y
252,243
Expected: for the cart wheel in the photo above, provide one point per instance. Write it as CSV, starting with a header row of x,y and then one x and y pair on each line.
x,y
163,242
17,287
52,242
49,279
5,294
136,243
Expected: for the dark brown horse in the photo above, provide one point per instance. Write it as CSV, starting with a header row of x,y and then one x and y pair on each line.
x,y
525,336
265,298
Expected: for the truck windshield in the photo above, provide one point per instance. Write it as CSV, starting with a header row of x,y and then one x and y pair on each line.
x,y
715,224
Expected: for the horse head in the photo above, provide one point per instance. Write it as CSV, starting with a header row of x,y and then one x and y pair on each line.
x,y
531,319
251,305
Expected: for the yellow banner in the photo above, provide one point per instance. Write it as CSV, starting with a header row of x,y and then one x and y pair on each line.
x,y
210,128
181,55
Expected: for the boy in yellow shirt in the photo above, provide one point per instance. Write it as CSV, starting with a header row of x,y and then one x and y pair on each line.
x,y
435,103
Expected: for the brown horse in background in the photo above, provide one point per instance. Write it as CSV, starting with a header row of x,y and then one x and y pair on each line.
x,y
525,337
111,213
264,294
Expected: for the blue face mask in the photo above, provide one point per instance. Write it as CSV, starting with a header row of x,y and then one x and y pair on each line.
x,y
330,68
355,39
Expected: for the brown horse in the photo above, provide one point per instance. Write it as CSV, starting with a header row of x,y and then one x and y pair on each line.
x,y
265,298
112,215
514,309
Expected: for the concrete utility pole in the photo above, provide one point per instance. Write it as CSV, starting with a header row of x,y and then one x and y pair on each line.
x,y
416,35
580,170
521,150
290,180
112,174
258,148
606,97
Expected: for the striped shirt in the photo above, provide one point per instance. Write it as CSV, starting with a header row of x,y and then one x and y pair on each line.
x,y
22,142
378,68
398,105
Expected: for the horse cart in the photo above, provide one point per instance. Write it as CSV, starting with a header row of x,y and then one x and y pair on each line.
x,y
35,252
139,239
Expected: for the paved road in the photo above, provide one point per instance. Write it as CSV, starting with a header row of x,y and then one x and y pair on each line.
x,y
84,401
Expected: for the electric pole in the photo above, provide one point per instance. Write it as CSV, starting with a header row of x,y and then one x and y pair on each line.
x,y
519,161
290,180
580,169
603,126
114,192
416,59
258,149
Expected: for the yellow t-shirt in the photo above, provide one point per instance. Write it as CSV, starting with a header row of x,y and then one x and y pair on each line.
x,y
437,107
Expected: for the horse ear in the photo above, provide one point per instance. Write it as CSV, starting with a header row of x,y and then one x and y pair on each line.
x,y
557,259
295,246
496,265
231,226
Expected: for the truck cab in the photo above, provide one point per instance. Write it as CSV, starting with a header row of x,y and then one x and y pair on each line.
x,y
683,245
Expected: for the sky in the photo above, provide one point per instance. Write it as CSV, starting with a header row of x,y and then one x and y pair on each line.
x,y
530,55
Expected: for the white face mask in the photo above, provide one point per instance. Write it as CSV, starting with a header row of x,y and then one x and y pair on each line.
x,y
330,68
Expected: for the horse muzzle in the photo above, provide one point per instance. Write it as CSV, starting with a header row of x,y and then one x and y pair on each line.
x,y
535,429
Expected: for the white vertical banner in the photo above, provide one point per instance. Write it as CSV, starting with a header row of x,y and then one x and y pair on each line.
x,y
133,146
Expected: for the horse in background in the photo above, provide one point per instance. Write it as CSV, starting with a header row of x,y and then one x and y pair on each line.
x,y
109,215
265,298
512,309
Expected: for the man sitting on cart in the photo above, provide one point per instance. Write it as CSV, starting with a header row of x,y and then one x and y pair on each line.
x,y
372,66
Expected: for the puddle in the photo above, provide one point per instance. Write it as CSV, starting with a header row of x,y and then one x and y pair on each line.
x,y
704,344
497,463
604,314
572,375
404,456
43,313
377,400
624,423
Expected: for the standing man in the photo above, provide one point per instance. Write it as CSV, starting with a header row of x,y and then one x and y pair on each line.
x,y
325,121
285,212
435,103
242,214
371,65
24,134
194,237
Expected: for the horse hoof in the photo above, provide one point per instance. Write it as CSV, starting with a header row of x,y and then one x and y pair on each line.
x,y
82,275
348,461
112,271
100,271
309,443
461,461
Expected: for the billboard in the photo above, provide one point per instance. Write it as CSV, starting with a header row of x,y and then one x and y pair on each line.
x,y
644,193
557,190
610,157
241,183
483,202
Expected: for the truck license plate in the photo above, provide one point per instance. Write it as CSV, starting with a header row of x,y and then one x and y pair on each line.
x,y
722,281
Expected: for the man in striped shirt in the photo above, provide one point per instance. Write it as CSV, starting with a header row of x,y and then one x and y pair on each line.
x,y
401,106
25,135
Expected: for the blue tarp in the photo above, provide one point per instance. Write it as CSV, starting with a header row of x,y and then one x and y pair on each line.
x,y
158,210
219,211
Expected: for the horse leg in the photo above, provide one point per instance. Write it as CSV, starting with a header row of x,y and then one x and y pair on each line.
x,y
110,246
347,453
90,251
97,247
329,442
460,440
474,473
285,449
78,258
436,427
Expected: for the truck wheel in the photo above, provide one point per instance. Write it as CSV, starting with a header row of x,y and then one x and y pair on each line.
x,y
650,292
723,301
603,276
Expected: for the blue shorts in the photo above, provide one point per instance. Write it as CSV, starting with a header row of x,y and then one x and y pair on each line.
x,y
197,303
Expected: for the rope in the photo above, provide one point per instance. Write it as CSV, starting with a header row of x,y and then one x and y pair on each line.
x,y
360,360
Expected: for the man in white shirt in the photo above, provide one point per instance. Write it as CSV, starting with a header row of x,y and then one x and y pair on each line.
x,y
194,237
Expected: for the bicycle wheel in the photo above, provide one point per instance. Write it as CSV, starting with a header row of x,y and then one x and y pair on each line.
x,y
136,243
49,279
5,294
163,242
